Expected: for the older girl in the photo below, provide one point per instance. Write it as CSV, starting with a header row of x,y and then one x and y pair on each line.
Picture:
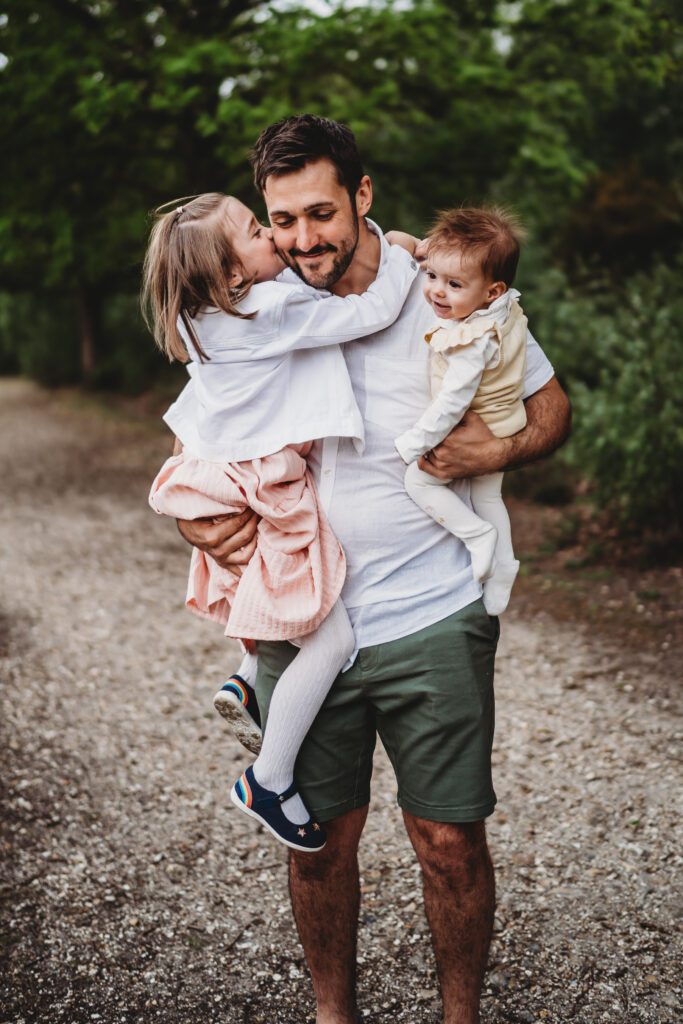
x,y
267,377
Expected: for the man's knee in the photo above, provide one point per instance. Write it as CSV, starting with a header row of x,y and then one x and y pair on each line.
x,y
446,848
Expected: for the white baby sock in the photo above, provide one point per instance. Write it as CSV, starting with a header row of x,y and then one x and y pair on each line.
x,y
482,550
296,700
498,587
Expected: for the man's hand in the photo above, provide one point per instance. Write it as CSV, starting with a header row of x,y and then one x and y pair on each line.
x,y
472,450
229,540
469,450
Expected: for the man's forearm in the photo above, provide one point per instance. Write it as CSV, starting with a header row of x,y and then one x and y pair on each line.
x,y
548,425
472,450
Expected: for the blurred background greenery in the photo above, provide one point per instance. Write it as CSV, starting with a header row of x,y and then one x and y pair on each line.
x,y
568,111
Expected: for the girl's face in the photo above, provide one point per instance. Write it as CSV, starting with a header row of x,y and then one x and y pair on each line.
x,y
253,244
454,288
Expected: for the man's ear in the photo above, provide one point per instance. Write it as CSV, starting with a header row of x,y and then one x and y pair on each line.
x,y
495,291
364,196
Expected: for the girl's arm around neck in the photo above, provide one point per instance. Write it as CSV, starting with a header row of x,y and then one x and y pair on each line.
x,y
309,320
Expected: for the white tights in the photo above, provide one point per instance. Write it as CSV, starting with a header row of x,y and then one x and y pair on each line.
x,y
296,700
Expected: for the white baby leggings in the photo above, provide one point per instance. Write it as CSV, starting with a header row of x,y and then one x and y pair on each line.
x,y
296,700
484,528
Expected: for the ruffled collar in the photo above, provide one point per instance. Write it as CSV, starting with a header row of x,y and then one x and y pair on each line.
x,y
447,334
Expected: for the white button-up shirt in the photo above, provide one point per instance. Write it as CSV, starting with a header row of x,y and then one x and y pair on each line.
x,y
404,571
280,378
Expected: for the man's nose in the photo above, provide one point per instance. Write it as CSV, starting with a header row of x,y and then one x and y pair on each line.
x,y
306,236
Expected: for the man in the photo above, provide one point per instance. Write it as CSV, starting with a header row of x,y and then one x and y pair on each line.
x,y
423,675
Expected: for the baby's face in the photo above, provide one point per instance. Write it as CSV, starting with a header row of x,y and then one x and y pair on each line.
x,y
453,287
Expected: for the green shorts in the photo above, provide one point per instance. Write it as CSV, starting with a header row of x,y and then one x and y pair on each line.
x,y
429,696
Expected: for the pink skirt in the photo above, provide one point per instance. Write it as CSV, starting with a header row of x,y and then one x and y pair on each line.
x,y
297,571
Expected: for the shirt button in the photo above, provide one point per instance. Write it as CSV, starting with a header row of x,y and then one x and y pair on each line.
x,y
413,265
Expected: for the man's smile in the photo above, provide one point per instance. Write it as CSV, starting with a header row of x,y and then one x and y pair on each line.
x,y
312,254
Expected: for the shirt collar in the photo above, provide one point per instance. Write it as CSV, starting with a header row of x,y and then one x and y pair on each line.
x,y
499,306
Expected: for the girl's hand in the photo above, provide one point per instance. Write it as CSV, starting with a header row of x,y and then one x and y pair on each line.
x,y
406,241
420,253
229,540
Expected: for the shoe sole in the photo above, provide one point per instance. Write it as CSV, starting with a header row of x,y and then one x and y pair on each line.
x,y
233,711
252,814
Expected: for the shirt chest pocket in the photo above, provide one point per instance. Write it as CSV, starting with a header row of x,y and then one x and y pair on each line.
x,y
396,392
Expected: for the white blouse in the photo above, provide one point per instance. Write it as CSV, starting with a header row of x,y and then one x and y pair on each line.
x,y
281,378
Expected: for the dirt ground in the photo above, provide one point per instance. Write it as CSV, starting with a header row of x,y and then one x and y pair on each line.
x,y
133,891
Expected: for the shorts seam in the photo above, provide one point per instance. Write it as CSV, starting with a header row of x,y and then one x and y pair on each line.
x,y
448,814
342,807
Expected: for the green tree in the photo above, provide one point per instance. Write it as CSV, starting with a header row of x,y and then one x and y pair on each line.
x,y
114,107
600,88
91,144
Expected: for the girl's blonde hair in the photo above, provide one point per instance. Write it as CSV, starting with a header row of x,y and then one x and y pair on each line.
x,y
188,265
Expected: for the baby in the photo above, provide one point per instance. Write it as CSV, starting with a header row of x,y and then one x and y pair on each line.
x,y
477,361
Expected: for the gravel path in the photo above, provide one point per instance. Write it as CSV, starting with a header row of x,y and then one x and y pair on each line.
x,y
122,857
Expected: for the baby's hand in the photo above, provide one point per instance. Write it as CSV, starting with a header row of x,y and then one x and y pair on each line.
x,y
406,241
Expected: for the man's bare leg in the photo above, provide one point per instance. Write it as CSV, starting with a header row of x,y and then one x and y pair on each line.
x,y
459,894
325,894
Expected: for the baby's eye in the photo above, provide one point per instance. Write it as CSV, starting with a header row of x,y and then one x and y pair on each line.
x,y
258,232
431,275
453,284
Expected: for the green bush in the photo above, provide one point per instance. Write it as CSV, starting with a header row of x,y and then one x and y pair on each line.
x,y
39,338
629,430
620,353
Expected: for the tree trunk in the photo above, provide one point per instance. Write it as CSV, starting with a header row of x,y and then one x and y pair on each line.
x,y
87,328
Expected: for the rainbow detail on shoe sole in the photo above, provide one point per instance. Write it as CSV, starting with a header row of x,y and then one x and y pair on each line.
x,y
238,689
244,790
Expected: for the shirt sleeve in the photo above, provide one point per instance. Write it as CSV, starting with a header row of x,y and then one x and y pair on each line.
x,y
539,369
461,380
310,320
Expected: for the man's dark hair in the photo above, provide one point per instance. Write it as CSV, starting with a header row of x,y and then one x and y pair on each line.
x,y
302,139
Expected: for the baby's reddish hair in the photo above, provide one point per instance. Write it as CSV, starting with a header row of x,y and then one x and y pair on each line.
x,y
489,236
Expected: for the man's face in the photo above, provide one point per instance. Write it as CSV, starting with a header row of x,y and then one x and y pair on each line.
x,y
315,225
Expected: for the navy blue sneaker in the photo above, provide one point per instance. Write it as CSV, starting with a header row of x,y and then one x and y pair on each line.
x,y
265,806
236,702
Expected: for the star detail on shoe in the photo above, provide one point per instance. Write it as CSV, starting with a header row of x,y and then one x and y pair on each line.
x,y
301,832
316,826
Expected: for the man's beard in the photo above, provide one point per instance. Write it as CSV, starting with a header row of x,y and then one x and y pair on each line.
x,y
344,254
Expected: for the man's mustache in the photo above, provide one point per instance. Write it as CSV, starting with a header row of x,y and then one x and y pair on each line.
x,y
317,250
